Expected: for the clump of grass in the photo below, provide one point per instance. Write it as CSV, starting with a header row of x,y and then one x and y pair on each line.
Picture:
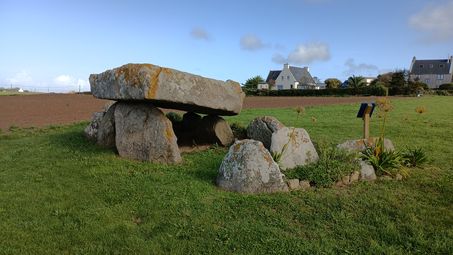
x,y
239,131
384,162
333,164
414,157
174,117
420,109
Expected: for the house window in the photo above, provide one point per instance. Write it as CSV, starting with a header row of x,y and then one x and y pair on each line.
x,y
421,66
441,65
283,78
279,87
426,81
292,86
431,66
287,77
440,76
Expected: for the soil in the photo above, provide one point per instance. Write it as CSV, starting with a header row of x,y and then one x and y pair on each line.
x,y
55,109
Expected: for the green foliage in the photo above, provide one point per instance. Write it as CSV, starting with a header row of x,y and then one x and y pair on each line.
x,y
174,117
253,82
239,131
59,194
446,86
356,82
384,162
332,83
398,79
414,157
369,90
333,164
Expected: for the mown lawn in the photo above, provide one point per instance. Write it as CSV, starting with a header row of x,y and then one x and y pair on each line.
x,y
60,194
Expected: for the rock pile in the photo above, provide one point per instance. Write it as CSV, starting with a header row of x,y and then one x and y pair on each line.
x,y
254,165
140,130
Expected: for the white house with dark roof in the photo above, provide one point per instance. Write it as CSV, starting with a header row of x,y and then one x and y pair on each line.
x,y
291,77
433,72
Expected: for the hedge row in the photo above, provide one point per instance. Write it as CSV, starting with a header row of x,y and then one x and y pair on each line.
x,y
366,91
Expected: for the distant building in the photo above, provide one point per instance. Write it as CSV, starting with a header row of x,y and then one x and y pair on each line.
x,y
433,72
291,77
368,80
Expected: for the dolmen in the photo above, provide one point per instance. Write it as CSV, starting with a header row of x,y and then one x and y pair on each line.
x,y
136,126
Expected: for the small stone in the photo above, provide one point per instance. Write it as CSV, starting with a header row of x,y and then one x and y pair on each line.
x,y
354,176
366,171
398,177
345,180
293,184
385,178
305,185
339,183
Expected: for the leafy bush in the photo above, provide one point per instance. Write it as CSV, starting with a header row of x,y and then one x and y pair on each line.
x,y
370,90
446,86
333,164
239,131
414,157
384,162
174,117
444,93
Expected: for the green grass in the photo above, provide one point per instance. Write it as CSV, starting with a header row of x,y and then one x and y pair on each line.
x,y
60,194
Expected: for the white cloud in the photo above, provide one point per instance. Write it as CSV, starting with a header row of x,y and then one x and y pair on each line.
x,y
64,80
358,69
251,42
200,34
20,78
434,22
305,54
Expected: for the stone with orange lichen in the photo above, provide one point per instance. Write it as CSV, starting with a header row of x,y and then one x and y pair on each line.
x,y
248,167
168,88
144,133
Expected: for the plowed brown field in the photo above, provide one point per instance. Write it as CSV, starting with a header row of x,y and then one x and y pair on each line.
x,y
54,109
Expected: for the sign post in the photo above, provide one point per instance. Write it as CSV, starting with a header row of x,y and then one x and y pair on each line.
x,y
365,112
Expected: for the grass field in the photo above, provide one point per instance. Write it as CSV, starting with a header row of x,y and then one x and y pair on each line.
x,y
59,194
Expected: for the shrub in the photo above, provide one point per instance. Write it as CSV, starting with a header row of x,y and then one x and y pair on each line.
x,y
333,164
239,131
414,157
384,162
446,86
174,117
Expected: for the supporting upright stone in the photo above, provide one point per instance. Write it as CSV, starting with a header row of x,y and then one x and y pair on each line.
x,y
262,128
144,133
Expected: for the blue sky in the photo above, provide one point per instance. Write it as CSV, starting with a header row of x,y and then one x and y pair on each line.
x,y
55,45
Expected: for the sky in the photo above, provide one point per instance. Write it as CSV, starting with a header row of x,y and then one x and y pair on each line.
x,y
55,45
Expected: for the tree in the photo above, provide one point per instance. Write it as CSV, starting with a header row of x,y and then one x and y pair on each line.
x,y
332,83
398,80
356,82
253,82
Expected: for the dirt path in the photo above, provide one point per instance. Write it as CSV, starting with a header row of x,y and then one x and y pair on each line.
x,y
54,109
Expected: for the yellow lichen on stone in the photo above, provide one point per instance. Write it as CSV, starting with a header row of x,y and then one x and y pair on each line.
x,y
130,73
169,133
154,84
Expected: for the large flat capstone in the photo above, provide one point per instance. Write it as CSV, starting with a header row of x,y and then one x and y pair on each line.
x,y
168,88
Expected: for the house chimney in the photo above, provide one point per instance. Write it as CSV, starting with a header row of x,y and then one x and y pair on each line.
x,y
306,68
286,66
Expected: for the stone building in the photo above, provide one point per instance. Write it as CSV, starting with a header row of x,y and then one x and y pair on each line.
x,y
433,72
